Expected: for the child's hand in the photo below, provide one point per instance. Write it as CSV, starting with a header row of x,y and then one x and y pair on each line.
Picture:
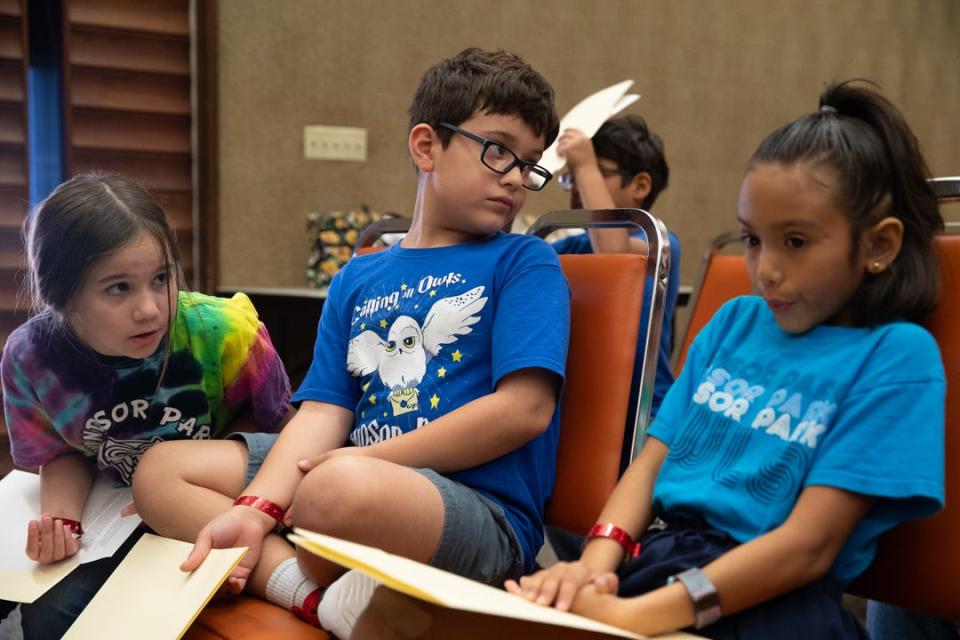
x,y
49,540
309,464
574,146
557,585
230,530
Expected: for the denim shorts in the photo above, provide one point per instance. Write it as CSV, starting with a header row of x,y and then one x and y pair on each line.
x,y
477,540
813,610
258,446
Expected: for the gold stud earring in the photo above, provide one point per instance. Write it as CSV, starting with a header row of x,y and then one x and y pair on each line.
x,y
877,266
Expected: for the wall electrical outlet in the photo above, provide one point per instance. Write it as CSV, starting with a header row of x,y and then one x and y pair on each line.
x,y
335,143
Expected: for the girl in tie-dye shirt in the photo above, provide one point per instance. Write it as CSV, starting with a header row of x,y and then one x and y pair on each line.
x,y
117,360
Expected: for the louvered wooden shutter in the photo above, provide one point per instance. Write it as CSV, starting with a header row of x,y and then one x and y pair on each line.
x,y
127,99
14,186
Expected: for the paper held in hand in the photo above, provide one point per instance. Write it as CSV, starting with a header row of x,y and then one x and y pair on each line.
x,y
105,529
588,116
446,589
148,597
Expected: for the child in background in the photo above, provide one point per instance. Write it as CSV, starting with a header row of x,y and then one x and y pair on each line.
x,y
805,423
428,425
118,359
623,166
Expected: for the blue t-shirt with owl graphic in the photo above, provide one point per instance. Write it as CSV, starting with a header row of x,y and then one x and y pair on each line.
x,y
408,335
758,415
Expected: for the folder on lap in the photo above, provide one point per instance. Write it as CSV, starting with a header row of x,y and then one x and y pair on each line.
x,y
446,589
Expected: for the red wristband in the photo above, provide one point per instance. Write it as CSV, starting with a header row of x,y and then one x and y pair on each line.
x,y
618,535
269,507
74,525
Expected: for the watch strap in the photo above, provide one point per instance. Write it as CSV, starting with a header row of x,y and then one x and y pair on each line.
x,y
706,603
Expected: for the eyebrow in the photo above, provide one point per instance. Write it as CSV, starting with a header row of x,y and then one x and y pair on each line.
x,y
507,139
803,224
123,275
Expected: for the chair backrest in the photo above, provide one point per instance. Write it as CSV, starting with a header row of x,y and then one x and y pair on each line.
x,y
722,277
599,419
372,232
918,563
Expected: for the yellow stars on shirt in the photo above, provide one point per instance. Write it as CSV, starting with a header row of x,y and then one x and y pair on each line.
x,y
403,287
372,399
433,293
383,323
363,325
456,355
434,401
441,372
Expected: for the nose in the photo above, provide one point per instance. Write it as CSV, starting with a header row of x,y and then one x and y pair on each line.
x,y
147,308
512,178
768,270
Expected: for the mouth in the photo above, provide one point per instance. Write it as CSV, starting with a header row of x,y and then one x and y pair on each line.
x,y
778,306
145,338
506,202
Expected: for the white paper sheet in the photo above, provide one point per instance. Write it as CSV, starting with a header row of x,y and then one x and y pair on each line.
x,y
22,579
147,597
588,116
443,588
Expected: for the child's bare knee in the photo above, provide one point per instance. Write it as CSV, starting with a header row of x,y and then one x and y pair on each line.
x,y
338,493
156,466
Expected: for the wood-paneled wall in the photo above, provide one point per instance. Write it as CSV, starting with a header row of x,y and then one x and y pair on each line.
x,y
715,76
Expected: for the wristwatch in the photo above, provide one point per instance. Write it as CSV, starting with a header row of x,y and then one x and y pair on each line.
x,y
706,604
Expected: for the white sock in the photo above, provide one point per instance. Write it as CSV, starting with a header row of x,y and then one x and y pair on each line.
x,y
344,601
287,586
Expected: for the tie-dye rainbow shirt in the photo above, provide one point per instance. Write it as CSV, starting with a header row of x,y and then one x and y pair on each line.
x,y
59,396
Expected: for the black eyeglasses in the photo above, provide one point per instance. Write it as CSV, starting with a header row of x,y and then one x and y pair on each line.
x,y
566,181
499,158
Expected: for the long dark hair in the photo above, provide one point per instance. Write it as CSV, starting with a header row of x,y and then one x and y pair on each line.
x,y
864,139
85,219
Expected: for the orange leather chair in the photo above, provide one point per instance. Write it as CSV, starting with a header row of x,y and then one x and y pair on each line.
x,y
918,563
722,277
600,424
373,231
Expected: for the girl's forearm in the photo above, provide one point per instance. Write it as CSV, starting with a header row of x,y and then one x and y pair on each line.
x,y
798,552
629,506
65,484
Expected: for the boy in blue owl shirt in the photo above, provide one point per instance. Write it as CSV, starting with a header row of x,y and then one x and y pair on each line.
x,y
429,417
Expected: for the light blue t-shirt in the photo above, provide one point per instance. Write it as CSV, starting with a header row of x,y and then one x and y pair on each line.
x,y
758,414
580,244
408,335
